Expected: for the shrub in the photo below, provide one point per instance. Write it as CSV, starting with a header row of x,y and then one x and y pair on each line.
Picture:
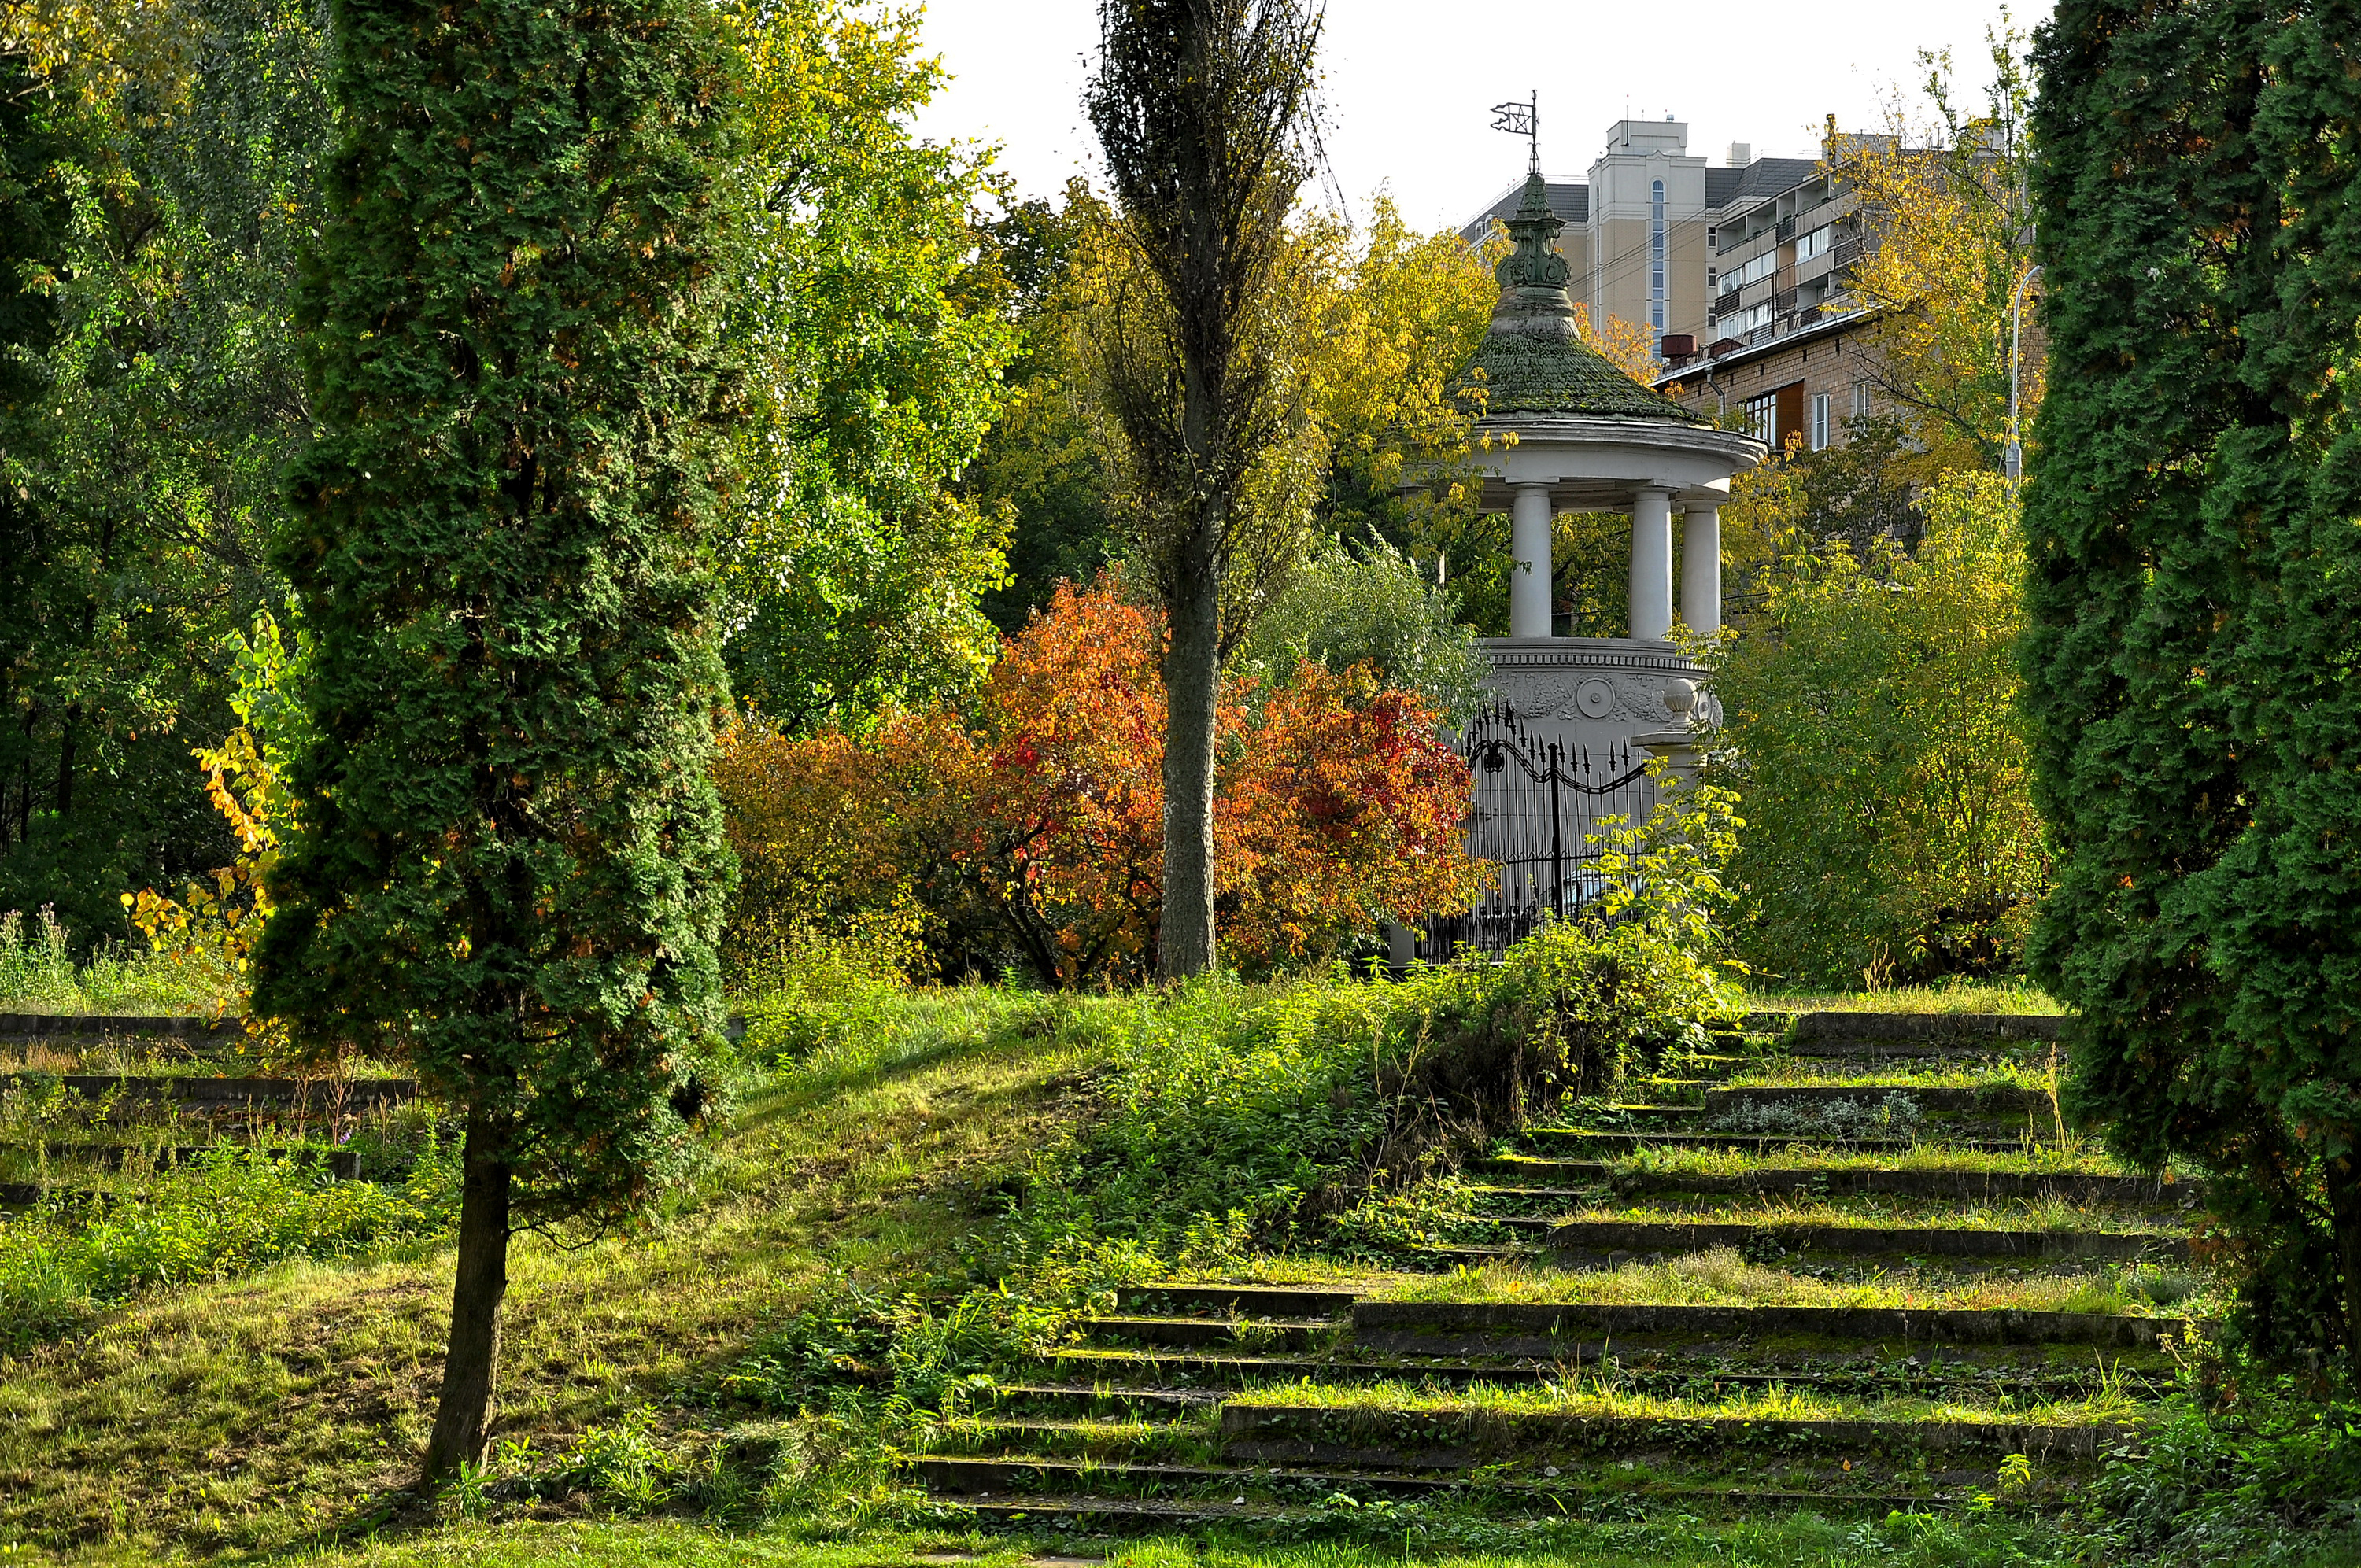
x,y
232,1212
1032,834
1240,1117
1869,722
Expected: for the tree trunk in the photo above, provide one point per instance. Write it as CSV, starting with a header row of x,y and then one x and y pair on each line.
x,y
463,1422
1192,672
2345,1211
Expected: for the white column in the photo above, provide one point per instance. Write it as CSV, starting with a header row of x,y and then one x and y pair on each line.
x,y
1529,585
1652,563
1701,569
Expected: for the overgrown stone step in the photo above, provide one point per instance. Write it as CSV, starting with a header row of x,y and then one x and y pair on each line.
x,y
77,1028
1603,1238
345,1164
1436,1438
1094,1397
1018,1484
1275,1333
1989,1100
221,1093
1108,1515
1645,1364
1170,1297
1915,1034
1461,1329
1613,1139
1850,1181
1230,1372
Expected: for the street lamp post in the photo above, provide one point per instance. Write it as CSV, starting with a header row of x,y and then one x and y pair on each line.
x,y
2012,461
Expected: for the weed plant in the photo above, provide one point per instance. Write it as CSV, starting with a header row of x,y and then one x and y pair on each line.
x,y
2016,997
230,1213
38,974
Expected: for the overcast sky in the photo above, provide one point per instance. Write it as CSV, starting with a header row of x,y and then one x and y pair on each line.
x,y
1410,87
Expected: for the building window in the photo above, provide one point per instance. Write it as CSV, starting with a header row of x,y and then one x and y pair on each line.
x,y
1818,422
1711,238
1762,416
1860,400
1816,243
1753,271
1656,266
1738,322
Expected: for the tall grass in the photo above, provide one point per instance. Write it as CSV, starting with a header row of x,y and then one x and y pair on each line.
x,y
38,974
232,1212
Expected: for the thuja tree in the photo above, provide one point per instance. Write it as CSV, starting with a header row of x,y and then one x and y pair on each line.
x,y
508,869
2196,574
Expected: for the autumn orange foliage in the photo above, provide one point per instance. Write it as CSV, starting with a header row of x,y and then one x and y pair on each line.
x,y
1039,821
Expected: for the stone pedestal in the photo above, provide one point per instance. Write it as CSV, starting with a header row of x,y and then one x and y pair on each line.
x,y
1598,693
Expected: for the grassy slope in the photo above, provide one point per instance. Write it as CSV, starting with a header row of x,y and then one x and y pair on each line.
x,y
280,1416
273,1410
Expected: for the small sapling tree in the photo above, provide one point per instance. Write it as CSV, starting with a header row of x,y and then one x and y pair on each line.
x,y
507,868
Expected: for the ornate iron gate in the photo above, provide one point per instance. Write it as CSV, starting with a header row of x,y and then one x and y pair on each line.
x,y
1535,815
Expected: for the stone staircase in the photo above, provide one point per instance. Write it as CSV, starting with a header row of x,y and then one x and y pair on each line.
x,y
1536,1360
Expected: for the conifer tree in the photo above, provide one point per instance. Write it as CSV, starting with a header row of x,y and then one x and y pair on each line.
x,y
508,869
2196,574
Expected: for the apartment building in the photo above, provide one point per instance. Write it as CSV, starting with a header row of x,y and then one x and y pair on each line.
x,y
1736,271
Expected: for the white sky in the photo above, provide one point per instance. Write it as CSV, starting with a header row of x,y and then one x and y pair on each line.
x,y
1410,87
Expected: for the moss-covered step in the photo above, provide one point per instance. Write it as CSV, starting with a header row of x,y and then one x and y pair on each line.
x,y
1585,1137
223,1093
1428,1436
1461,1329
1915,1034
1018,1483
1267,1334
1604,1239
1175,1296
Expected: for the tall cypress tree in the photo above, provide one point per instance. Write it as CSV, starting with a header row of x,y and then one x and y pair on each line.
x,y
2196,578
508,869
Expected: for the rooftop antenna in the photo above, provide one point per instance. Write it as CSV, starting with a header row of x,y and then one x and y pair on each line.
x,y
1522,120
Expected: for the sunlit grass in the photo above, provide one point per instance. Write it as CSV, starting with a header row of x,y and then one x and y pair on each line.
x,y
2017,997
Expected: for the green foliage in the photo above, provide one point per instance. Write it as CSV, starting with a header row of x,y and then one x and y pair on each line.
x,y
232,1212
1869,725
1369,605
875,350
39,973
155,216
2191,522
508,867
1240,1116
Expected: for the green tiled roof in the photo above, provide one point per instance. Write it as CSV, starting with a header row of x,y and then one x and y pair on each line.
x,y
1523,373
1531,361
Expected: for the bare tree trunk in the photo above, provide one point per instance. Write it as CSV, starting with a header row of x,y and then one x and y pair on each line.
x,y
1192,673
463,1422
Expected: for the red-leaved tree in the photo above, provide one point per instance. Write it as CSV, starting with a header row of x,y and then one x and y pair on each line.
x,y
1336,805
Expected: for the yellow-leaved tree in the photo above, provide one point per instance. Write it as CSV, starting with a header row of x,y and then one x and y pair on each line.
x,y
1944,191
210,930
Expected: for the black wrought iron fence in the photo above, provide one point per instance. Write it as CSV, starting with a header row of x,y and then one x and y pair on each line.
x,y
1535,814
